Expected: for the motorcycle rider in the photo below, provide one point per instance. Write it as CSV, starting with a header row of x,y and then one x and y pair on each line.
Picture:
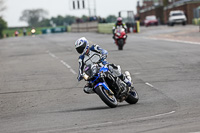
x,y
118,24
94,54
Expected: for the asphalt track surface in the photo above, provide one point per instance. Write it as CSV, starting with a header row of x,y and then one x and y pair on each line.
x,y
39,92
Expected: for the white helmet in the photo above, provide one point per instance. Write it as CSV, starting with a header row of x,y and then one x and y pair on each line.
x,y
81,45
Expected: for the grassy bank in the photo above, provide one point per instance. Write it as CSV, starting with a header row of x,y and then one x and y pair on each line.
x,y
105,28
10,32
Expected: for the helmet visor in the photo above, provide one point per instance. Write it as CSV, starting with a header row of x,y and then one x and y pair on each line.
x,y
81,48
119,22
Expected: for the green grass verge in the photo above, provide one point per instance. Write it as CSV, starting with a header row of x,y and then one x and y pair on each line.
x,y
105,28
10,32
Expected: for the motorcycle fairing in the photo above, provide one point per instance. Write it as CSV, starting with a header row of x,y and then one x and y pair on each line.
x,y
104,69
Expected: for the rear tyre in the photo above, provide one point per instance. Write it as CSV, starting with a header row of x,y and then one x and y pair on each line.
x,y
108,99
133,97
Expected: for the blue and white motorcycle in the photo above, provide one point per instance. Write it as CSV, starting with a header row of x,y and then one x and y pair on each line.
x,y
110,89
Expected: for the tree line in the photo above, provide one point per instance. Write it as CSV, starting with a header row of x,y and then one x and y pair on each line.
x,y
37,18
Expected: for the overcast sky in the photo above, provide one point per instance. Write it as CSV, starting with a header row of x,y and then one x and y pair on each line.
x,y
63,7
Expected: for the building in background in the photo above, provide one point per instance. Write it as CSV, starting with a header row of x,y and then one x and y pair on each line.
x,y
150,7
161,9
188,6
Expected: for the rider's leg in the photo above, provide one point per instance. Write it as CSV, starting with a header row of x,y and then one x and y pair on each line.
x,y
125,79
116,70
113,38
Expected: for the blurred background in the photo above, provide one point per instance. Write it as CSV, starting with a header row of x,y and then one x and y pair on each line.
x,y
21,16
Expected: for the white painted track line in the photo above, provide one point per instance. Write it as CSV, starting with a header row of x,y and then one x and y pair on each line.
x,y
105,123
149,85
172,40
63,62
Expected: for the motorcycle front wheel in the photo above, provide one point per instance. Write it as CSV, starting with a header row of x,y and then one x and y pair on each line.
x,y
107,98
120,44
133,97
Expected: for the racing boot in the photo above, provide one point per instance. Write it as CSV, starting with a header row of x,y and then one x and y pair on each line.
x,y
128,75
88,88
125,79
116,70
113,39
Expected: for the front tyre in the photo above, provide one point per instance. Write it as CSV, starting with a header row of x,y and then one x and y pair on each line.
x,y
133,97
120,44
108,99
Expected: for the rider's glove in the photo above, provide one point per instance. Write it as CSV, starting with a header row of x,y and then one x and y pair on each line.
x,y
104,56
104,62
80,77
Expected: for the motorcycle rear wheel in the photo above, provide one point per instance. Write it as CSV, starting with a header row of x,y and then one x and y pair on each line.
x,y
133,97
108,99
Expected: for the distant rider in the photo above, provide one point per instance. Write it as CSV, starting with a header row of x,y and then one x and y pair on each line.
x,y
91,55
118,24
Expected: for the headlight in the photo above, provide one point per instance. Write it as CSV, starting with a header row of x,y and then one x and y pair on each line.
x,y
118,34
90,71
85,76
